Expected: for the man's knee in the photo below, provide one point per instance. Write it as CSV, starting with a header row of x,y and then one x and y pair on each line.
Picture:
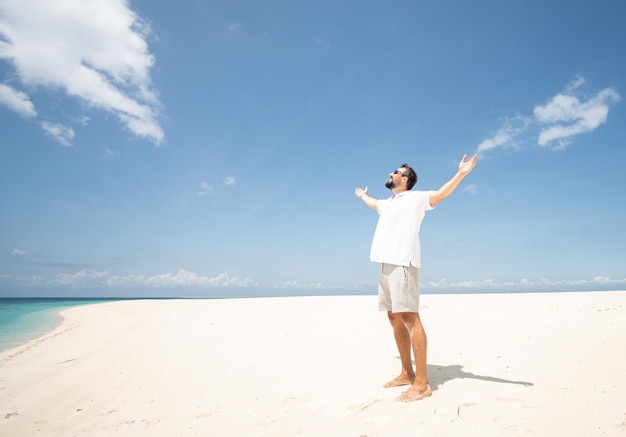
x,y
394,317
407,319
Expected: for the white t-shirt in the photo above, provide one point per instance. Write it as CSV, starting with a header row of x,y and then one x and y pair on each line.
x,y
396,239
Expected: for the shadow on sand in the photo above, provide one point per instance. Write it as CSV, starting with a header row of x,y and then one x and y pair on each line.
x,y
439,375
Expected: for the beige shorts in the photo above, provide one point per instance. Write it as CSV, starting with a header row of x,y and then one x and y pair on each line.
x,y
399,289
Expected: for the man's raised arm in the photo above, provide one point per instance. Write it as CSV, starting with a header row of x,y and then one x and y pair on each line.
x,y
465,167
369,201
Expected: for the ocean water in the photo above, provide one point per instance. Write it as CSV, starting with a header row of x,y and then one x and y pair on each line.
x,y
23,320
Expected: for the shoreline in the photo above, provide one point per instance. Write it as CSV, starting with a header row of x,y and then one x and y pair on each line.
x,y
501,363
28,319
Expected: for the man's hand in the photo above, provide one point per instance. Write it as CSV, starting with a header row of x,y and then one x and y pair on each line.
x,y
467,166
360,193
369,201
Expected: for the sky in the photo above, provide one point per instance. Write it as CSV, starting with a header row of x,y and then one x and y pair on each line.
x,y
212,148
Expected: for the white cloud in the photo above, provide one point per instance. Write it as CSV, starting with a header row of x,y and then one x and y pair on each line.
x,y
234,27
470,189
19,252
205,189
62,134
111,153
506,136
565,115
184,278
180,279
576,83
526,284
301,285
607,280
17,101
485,283
78,279
95,51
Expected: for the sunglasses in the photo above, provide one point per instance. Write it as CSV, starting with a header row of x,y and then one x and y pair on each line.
x,y
400,173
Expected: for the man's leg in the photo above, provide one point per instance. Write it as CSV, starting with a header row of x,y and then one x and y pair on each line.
x,y
401,285
403,341
419,388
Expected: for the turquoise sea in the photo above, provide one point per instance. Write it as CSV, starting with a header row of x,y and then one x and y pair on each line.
x,y
23,320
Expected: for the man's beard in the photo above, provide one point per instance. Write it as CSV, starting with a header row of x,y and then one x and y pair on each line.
x,y
390,184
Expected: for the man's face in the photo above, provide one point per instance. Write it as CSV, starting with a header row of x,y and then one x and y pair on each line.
x,y
395,178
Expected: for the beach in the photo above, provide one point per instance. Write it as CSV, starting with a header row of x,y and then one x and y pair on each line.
x,y
536,364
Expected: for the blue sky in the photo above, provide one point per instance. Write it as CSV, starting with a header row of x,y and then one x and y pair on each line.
x,y
204,148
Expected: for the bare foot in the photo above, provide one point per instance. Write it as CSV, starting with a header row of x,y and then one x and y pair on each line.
x,y
399,381
415,394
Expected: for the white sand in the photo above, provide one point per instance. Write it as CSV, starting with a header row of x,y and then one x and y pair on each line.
x,y
499,365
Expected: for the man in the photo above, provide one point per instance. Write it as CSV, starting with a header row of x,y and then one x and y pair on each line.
x,y
396,247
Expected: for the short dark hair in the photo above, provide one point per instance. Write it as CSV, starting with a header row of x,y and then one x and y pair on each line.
x,y
410,174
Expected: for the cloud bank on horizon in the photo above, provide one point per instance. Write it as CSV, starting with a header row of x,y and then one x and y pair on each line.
x,y
188,280
565,115
93,51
